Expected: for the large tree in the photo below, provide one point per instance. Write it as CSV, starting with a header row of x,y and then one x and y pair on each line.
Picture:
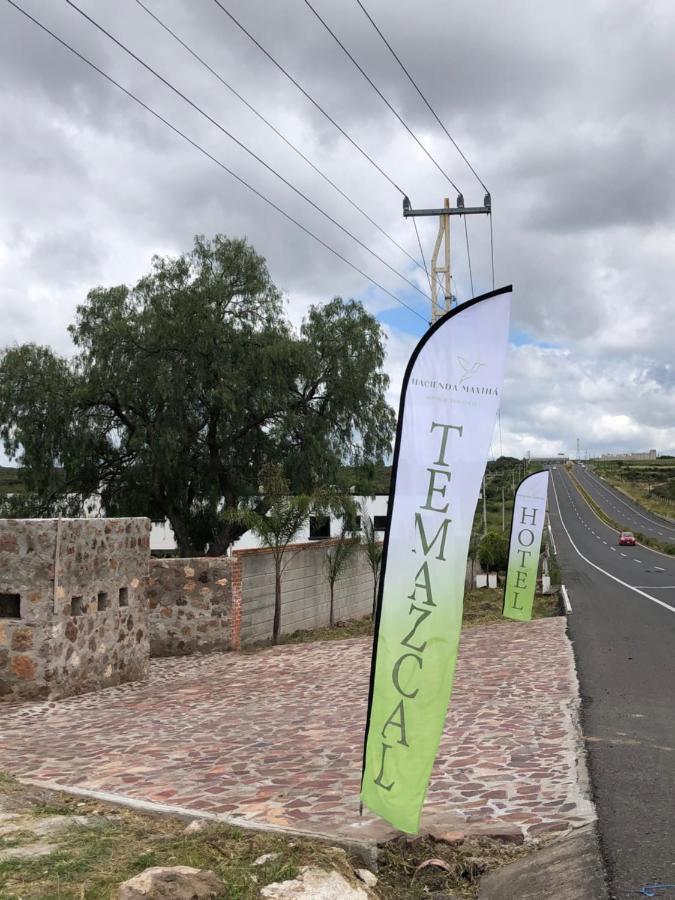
x,y
185,385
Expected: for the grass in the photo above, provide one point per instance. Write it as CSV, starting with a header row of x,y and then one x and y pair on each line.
x,y
89,862
483,606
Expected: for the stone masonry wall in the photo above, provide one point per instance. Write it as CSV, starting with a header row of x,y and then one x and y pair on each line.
x,y
73,612
190,606
305,594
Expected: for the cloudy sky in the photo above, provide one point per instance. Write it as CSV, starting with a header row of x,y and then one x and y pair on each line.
x,y
565,109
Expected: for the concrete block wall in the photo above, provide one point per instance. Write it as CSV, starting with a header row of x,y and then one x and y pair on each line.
x,y
72,605
190,606
305,590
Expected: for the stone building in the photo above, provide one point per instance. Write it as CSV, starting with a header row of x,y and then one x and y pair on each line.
x,y
73,614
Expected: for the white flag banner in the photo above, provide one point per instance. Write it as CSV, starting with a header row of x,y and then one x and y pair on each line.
x,y
449,400
527,523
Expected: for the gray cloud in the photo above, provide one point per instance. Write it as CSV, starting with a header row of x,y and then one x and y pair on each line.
x,y
565,110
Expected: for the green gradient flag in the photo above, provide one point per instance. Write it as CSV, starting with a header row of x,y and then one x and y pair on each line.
x,y
449,399
529,510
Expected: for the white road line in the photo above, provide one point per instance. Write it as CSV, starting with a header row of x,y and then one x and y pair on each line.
x,y
665,587
604,571
659,569
613,549
625,555
633,511
638,561
605,543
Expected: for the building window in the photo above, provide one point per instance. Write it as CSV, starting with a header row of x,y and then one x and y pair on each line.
x,y
102,601
380,523
319,528
10,606
78,607
124,596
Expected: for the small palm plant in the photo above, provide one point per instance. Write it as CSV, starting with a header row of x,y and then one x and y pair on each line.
x,y
336,560
374,549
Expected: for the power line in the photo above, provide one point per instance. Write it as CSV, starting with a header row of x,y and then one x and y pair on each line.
x,y
206,153
426,102
381,95
309,97
423,257
468,254
279,134
243,146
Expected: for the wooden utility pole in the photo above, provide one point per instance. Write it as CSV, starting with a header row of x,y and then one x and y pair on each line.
x,y
439,308
443,237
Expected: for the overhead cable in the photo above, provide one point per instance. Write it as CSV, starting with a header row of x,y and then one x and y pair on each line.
x,y
309,97
426,102
279,134
381,95
243,146
213,159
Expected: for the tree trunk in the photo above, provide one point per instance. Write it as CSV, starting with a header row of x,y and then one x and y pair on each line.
x,y
276,628
182,535
332,592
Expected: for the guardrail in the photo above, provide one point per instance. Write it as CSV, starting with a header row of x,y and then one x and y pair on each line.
x,y
566,599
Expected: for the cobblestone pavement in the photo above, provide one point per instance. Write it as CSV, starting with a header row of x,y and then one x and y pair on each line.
x,y
275,737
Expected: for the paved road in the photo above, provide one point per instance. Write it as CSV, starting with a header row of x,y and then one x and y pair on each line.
x,y
622,509
623,629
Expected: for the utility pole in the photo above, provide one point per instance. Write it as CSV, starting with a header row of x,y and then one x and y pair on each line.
x,y
503,513
578,451
439,309
484,507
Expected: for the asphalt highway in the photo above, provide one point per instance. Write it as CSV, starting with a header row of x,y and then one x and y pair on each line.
x,y
623,630
622,509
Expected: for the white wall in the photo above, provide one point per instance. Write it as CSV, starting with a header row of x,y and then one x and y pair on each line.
x,y
162,538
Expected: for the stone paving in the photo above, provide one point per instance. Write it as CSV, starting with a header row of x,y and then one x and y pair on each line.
x,y
274,738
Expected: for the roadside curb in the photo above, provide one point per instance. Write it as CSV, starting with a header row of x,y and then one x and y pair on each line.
x,y
569,868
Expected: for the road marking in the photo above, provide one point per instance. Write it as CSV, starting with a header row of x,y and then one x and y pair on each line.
x,y
605,543
633,511
659,569
638,561
665,587
625,555
613,549
604,571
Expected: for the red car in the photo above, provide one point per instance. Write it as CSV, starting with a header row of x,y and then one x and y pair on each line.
x,y
626,539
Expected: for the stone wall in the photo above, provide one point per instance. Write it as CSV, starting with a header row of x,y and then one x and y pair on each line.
x,y
73,612
190,606
305,594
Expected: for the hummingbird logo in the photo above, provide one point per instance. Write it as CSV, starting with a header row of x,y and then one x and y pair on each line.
x,y
469,368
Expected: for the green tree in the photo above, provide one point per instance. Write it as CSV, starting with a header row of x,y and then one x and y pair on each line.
x,y
337,558
493,551
185,385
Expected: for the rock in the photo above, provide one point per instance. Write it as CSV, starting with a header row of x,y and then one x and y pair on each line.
x,y
367,877
172,883
265,858
448,837
315,884
499,833
195,826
